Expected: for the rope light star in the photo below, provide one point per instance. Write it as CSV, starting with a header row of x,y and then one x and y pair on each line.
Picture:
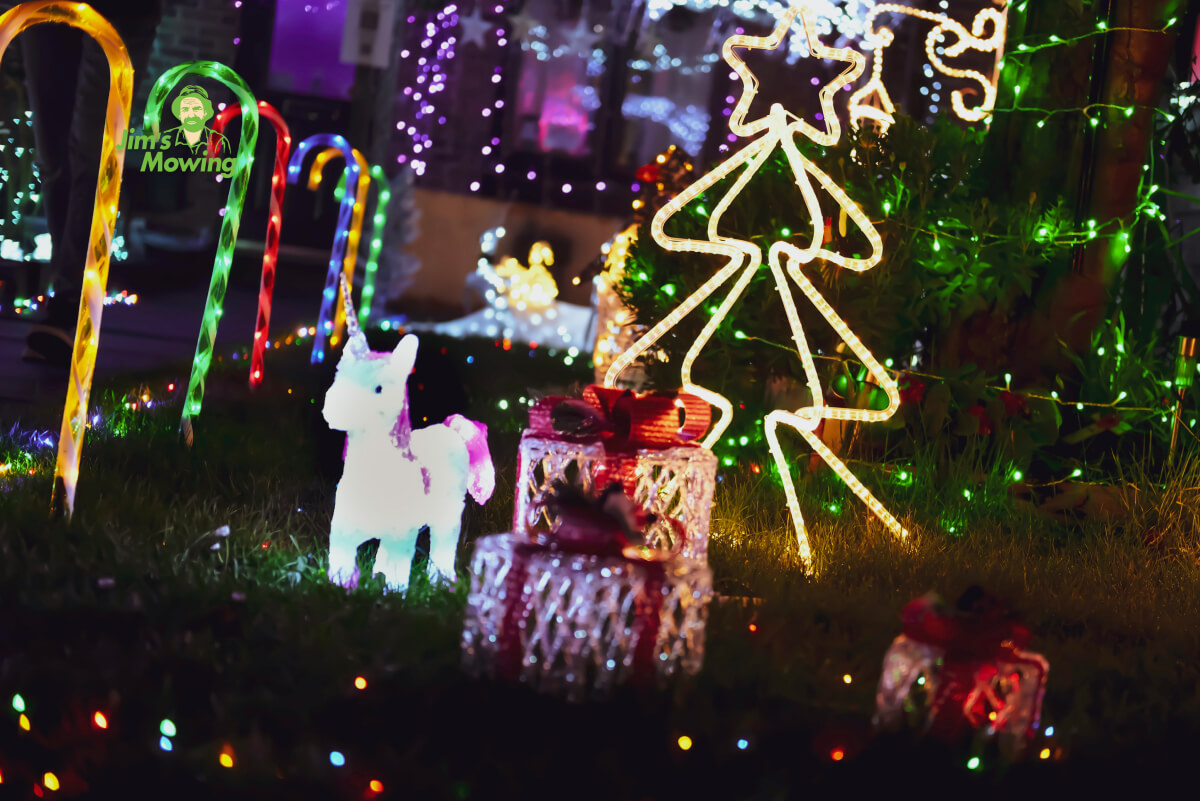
x,y
744,258
882,112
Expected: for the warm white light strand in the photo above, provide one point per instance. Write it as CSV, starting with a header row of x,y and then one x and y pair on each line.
x,y
973,39
745,256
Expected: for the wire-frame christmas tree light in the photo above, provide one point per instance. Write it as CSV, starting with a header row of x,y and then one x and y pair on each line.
x,y
745,257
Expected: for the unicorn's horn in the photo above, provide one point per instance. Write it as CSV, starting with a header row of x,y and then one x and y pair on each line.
x,y
352,329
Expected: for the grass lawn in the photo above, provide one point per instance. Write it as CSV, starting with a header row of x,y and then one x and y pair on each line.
x,y
137,610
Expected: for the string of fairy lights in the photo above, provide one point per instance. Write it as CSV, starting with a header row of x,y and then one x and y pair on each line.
x,y
170,735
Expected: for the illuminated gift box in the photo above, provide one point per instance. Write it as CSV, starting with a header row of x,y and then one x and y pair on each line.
x,y
579,611
647,443
956,673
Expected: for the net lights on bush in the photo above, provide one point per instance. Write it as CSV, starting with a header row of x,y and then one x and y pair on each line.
x,y
745,257
104,215
973,39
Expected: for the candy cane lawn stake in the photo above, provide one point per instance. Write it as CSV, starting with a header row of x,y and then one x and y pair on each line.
x,y
356,221
104,215
229,225
283,148
342,234
383,198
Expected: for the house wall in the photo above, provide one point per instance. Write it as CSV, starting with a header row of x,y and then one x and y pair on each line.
x,y
450,226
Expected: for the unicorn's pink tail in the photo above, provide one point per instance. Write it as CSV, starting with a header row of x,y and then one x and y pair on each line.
x,y
482,481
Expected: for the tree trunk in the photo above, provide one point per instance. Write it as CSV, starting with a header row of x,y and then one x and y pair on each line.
x,y
1135,68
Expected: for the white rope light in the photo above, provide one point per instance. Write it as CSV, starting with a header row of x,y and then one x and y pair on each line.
x,y
745,257
965,40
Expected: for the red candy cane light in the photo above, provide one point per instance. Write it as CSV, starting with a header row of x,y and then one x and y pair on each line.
x,y
283,147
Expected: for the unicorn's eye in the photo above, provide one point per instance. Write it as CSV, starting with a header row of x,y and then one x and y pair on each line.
x,y
379,389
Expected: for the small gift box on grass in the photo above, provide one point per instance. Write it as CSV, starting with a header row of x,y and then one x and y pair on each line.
x,y
586,607
648,443
957,672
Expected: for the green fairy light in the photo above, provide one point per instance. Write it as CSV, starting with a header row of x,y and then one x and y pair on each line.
x,y
377,226
18,703
669,290
229,224
1076,473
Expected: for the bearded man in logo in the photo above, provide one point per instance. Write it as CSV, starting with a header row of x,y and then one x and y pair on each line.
x,y
193,110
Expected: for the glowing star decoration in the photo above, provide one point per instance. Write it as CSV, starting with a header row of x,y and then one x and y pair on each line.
x,y
230,222
581,40
341,235
354,236
530,289
522,25
266,290
871,101
397,480
104,216
474,27
745,257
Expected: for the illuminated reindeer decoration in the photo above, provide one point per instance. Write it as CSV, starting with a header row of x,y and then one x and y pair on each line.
x,y
396,479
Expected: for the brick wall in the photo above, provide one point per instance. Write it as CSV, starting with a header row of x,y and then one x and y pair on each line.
x,y
191,30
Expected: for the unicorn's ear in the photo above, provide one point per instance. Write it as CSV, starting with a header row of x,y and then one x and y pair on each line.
x,y
405,355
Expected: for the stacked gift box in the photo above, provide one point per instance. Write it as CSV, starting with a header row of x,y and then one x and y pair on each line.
x,y
604,578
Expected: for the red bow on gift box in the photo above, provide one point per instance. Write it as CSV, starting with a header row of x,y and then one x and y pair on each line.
x,y
622,419
983,631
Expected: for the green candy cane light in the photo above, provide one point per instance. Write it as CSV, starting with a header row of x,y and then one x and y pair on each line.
x,y
378,222
229,226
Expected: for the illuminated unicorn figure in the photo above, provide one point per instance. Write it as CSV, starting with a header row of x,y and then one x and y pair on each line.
x,y
744,258
397,480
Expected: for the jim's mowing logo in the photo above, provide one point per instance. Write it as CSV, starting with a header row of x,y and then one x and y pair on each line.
x,y
184,148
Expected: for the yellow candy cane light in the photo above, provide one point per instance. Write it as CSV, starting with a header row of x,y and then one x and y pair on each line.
x,y
104,215
973,39
355,234
745,257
